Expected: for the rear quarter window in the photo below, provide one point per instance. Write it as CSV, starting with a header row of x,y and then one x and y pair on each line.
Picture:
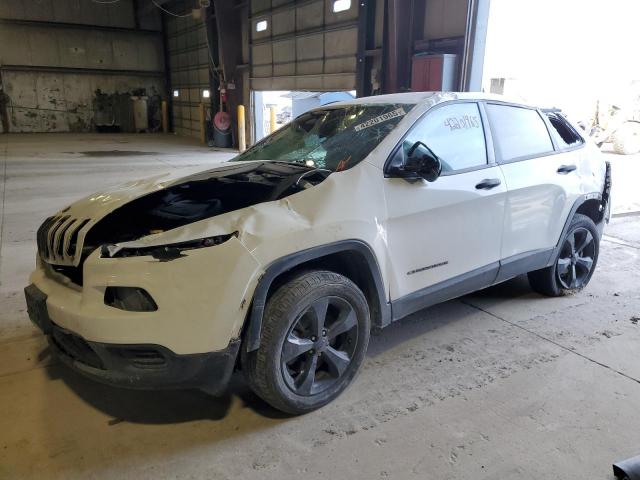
x,y
518,132
563,133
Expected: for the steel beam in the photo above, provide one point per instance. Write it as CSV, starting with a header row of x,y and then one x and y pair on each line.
x,y
475,42
361,59
229,36
76,26
167,72
80,70
398,62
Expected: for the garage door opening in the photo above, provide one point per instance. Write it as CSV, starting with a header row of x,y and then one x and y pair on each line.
x,y
287,106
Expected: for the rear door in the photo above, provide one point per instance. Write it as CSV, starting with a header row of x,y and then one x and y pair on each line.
x,y
541,178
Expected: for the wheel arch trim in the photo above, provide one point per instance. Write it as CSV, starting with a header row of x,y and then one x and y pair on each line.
x,y
253,331
581,200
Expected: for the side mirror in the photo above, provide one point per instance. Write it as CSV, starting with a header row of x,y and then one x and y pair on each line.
x,y
422,162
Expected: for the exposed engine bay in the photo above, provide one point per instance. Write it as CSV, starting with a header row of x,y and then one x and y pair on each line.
x,y
203,197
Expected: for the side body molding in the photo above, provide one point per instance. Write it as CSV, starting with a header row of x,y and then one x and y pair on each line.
x,y
381,309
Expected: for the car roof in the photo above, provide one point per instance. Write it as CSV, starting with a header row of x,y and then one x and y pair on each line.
x,y
432,98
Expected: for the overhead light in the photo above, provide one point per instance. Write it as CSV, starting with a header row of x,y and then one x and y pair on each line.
x,y
341,5
261,26
176,93
206,94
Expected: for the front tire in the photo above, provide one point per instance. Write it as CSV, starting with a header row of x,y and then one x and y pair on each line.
x,y
575,262
315,333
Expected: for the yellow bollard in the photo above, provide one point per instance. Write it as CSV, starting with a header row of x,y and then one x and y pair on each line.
x,y
165,117
272,119
203,132
242,137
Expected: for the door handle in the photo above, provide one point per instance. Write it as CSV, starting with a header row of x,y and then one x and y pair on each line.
x,y
564,169
488,184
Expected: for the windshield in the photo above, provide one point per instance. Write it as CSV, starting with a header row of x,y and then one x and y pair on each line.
x,y
333,138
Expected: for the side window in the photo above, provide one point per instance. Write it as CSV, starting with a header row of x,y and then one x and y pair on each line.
x,y
454,133
518,132
563,133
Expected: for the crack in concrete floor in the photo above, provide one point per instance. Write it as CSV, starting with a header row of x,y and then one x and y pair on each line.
x,y
557,344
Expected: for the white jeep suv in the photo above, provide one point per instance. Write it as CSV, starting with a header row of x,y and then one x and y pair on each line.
x,y
281,261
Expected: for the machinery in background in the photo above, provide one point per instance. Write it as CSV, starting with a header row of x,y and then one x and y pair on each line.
x,y
617,122
129,112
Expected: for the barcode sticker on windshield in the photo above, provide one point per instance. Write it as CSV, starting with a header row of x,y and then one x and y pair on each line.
x,y
398,112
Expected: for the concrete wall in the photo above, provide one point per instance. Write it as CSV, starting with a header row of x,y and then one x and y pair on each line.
x,y
55,102
55,54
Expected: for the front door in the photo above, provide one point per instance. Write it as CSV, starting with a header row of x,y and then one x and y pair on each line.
x,y
449,230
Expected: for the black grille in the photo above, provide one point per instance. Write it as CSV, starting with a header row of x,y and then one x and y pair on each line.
x,y
56,232
42,236
76,348
73,241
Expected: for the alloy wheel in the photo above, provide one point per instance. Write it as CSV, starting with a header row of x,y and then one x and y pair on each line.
x,y
319,346
576,259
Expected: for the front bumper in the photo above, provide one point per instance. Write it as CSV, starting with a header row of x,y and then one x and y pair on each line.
x,y
202,298
141,366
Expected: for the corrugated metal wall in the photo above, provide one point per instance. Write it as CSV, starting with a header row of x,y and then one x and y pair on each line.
x,y
189,66
305,46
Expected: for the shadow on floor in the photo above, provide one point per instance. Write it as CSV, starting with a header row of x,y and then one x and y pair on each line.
x,y
432,318
517,287
160,406
178,406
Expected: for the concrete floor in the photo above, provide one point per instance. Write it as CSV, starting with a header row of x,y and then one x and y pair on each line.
x,y
499,384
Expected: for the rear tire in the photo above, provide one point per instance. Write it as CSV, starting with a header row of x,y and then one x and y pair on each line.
x,y
626,140
575,262
315,333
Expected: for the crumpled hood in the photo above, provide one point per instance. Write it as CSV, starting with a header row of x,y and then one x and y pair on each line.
x,y
164,203
99,204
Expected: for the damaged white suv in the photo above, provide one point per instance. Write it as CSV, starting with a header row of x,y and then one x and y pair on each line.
x,y
281,261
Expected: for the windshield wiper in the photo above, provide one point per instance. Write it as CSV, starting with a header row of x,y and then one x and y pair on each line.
x,y
298,163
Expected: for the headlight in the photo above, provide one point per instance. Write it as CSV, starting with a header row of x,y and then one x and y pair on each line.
x,y
165,252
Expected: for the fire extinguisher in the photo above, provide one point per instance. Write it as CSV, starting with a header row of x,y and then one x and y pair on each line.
x,y
223,98
222,122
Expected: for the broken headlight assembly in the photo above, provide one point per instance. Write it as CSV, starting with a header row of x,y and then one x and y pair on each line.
x,y
164,252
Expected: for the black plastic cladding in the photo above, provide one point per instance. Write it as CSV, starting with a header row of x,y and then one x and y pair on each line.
x,y
253,333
